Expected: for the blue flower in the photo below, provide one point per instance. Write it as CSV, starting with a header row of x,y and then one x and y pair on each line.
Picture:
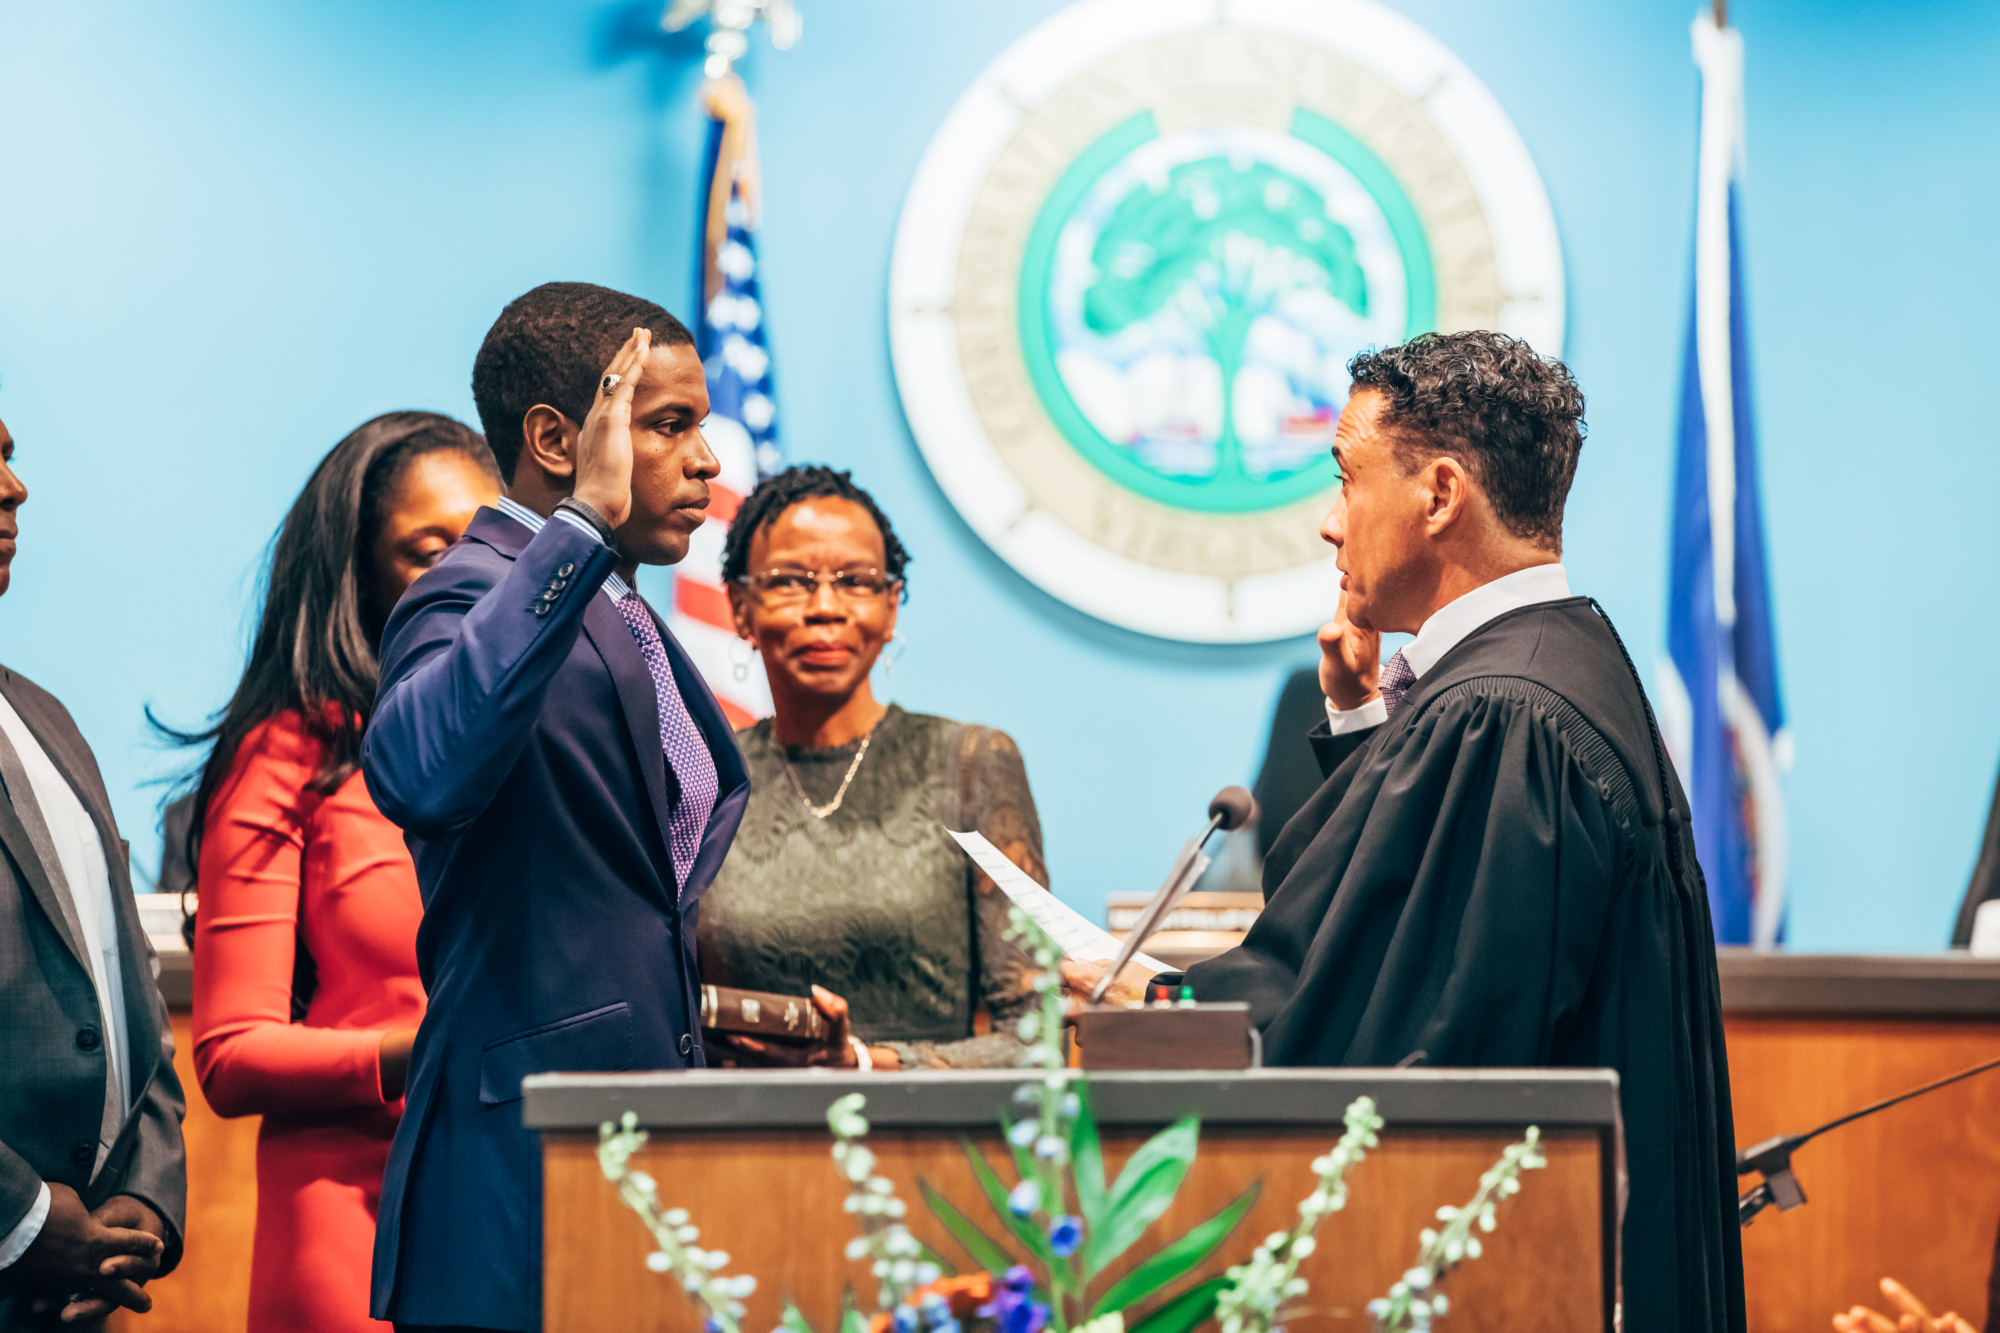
x,y
1014,1309
1065,1236
1025,1199
906,1320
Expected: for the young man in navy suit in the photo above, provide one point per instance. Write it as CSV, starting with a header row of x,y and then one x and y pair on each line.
x,y
568,785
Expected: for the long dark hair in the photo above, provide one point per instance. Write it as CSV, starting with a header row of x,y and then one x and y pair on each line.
x,y
314,652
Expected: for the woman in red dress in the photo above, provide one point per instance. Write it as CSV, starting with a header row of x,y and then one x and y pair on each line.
x,y
306,996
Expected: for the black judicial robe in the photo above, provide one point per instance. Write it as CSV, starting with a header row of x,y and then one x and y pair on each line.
x,y
1491,878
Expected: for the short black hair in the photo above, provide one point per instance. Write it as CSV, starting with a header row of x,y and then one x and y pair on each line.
x,y
1513,416
779,492
551,346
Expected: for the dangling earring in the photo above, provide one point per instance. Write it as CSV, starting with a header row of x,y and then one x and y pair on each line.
x,y
892,653
739,665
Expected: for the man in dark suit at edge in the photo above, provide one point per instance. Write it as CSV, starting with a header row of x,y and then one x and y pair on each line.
x,y
1497,869
568,785
93,1178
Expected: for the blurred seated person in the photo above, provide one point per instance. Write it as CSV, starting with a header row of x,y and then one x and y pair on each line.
x,y
1290,774
1985,884
842,876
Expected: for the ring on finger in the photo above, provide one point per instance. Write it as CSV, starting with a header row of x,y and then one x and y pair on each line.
x,y
610,382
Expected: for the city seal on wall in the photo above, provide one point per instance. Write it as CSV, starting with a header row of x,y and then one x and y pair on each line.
x,y
1136,258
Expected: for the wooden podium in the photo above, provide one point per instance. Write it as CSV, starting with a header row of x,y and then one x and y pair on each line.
x,y
747,1155
1913,1193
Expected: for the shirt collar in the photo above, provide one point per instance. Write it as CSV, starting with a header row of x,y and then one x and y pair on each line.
x,y
1451,623
614,587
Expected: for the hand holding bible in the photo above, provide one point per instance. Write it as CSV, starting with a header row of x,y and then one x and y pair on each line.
x,y
833,1048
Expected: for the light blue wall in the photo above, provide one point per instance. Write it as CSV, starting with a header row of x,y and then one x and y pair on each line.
x,y
231,231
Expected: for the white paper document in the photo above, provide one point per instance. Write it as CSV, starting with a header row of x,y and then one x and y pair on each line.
x,y
1073,934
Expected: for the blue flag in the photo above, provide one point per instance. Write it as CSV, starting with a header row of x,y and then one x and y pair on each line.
x,y
1719,697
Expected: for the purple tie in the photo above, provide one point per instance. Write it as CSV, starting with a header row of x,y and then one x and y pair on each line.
x,y
686,751
1396,681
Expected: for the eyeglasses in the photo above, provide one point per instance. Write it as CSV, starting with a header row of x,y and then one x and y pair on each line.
x,y
788,587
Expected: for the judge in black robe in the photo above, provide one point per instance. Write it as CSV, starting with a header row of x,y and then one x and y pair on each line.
x,y
1498,871
1490,878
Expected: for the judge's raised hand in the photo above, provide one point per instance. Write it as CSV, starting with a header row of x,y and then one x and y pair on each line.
x,y
1350,661
604,445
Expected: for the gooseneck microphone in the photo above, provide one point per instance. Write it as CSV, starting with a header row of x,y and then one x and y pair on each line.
x,y
1232,808
1772,1159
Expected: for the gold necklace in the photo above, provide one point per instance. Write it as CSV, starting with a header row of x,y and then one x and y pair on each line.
x,y
822,811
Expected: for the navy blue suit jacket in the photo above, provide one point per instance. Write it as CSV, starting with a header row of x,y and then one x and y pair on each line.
x,y
516,740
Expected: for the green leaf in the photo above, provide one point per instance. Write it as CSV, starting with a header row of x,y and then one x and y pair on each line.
x,y
852,1320
1024,1229
1175,1261
1185,1312
985,1251
925,1254
1087,1158
1143,1191
793,1321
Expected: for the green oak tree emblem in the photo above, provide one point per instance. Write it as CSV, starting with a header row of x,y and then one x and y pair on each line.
x,y
1219,246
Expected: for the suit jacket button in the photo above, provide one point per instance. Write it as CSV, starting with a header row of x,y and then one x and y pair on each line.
x,y
567,569
83,1154
88,1039
687,1043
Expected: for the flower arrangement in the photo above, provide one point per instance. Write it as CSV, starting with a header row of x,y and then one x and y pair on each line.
x,y
1068,1221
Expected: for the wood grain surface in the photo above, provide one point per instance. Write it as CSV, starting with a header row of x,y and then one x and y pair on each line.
x,y
1913,1193
210,1291
773,1201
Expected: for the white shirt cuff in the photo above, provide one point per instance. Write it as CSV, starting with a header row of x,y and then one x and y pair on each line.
x,y
580,523
1371,714
16,1242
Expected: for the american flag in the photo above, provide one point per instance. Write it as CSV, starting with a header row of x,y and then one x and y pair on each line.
x,y
742,426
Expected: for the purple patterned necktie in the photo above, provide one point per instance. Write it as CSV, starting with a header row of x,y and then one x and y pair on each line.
x,y
1396,681
687,753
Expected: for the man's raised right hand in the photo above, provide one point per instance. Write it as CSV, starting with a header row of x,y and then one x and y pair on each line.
x,y
604,444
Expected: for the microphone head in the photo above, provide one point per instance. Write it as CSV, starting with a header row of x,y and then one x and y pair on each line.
x,y
1235,807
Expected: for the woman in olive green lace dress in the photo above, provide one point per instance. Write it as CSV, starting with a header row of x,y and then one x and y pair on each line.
x,y
841,876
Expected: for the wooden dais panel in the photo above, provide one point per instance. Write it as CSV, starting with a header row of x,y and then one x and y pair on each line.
x,y
210,1291
1912,1193
773,1201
